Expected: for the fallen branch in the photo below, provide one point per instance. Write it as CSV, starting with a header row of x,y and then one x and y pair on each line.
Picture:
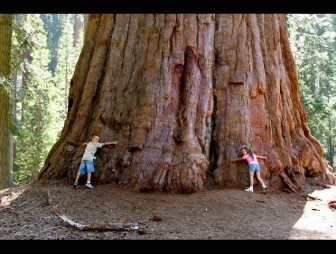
x,y
117,226
313,198
6,207
49,198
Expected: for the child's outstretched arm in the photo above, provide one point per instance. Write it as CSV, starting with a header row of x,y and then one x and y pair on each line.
x,y
110,143
261,157
237,159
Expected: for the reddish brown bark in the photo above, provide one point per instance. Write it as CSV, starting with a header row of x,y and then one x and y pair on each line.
x,y
182,93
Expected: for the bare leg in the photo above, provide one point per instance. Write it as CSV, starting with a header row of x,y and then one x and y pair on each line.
x,y
260,180
89,177
77,177
251,178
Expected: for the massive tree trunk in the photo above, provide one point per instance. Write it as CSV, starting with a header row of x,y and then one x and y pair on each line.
x,y
6,141
182,93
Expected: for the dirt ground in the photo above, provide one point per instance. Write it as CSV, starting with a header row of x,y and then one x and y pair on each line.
x,y
58,211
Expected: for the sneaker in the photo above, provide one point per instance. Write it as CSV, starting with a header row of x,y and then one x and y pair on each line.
x,y
249,189
89,185
264,189
75,184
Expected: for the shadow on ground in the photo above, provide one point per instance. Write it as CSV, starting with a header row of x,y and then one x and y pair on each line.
x,y
27,213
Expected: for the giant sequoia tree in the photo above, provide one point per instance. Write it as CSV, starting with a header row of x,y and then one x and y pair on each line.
x,y
182,93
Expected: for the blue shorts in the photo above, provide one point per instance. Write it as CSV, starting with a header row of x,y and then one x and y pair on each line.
x,y
254,167
86,166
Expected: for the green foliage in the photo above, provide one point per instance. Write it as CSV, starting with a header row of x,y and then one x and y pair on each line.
x,y
5,83
53,26
41,61
34,101
67,58
313,41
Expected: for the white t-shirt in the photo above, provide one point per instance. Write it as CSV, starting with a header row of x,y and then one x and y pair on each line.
x,y
90,150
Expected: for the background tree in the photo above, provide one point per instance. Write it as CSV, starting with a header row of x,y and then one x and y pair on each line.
x,y
41,91
313,43
6,144
68,52
182,93
34,116
53,27
78,26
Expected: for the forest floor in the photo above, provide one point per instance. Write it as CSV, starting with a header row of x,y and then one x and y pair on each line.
x,y
58,211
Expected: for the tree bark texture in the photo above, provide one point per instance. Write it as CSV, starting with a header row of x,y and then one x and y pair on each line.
x,y
182,93
6,147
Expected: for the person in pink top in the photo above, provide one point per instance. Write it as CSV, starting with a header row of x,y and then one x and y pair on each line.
x,y
254,167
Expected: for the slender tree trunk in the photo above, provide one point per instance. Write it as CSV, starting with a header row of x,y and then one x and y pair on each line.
x,y
330,130
330,143
14,114
182,93
77,28
6,141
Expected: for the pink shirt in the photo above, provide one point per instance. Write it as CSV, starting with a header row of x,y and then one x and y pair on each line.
x,y
249,159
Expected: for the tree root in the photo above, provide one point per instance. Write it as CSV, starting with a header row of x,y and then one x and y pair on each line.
x,y
332,205
289,182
